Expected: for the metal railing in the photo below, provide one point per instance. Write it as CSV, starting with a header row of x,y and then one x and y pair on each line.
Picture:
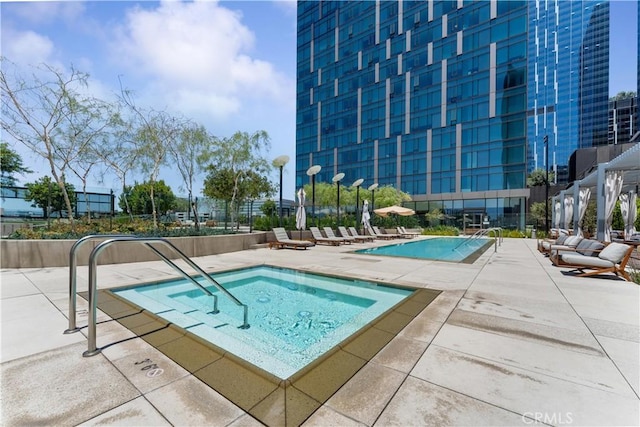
x,y
93,259
484,233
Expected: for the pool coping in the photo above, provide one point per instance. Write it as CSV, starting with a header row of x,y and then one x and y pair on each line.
x,y
271,400
470,259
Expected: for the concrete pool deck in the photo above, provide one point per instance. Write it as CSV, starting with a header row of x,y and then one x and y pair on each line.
x,y
511,340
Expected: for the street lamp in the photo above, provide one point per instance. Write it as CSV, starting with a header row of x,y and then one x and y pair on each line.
x,y
546,183
337,179
372,188
312,171
279,162
357,183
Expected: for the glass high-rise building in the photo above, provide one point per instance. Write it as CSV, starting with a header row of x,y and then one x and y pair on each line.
x,y
431,97
568,80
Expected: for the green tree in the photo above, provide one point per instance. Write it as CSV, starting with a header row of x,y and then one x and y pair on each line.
x,y
139,197
434,216
538,178
537,212
231,162
44,192
10,164
623,95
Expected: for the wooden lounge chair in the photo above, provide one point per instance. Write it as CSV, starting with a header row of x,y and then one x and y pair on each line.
x,y
357,238
612,259
404,235
378,235
283,241
355,234
378,232
319,238
587,247
413,233
328,231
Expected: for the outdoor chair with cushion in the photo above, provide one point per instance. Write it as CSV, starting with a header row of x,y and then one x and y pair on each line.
x,y
414,233
587,247
355,234
612,259
358,239
283,241
328,231
319,238
545,245
379,235
568,243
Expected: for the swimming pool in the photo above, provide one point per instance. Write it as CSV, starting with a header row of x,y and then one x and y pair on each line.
x,y
454,249
294,316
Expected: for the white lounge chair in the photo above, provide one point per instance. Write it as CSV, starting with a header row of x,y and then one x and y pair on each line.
x,y
357,238
328,231
612,259
319,238
355,234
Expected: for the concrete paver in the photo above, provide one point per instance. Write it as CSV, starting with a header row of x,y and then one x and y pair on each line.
x,y
511,340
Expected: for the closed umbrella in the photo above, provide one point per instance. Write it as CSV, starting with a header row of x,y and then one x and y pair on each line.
x,y
629,212
366,217
301,215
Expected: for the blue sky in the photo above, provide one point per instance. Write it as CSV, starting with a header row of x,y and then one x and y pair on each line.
x,y
230,65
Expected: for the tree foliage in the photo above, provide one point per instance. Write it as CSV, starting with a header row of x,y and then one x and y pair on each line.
x,y
139,199
10,165
538,178
44,192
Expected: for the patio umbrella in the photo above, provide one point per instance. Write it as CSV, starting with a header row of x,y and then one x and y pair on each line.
x,y
568,210
366,217
395,210
301,214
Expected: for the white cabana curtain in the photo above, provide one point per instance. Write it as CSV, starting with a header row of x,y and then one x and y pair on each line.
x,y
612,188
557,207
568,210
583,202
628,209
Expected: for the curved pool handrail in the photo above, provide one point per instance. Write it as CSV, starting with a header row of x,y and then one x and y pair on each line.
x,y
73,264
93,258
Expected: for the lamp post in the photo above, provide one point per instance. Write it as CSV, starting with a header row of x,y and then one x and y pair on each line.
x,y
337,178
279,162
357,183
372,188
546,184
312,172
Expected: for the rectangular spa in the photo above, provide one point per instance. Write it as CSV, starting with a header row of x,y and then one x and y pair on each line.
x,y
294,316
454,249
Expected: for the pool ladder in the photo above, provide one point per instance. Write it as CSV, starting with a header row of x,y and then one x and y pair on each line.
x,y
497,232
93,267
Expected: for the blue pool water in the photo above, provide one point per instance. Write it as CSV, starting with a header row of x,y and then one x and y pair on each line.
x,y
439,248
294,316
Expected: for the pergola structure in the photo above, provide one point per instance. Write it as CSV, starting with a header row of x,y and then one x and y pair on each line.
x,y
617,176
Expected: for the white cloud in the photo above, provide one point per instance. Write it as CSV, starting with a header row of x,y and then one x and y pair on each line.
x,y
27,47
199,55
41,12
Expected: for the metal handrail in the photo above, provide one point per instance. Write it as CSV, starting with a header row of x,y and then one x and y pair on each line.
x,y
73,276
482,233
93,258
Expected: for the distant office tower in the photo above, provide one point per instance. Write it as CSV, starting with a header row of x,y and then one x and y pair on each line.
x,y
622,119
568,79
431,96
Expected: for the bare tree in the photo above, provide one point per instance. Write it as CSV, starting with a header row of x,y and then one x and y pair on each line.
x,y
192,146
51,116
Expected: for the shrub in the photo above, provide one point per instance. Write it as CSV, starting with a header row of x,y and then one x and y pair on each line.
x,y
441,230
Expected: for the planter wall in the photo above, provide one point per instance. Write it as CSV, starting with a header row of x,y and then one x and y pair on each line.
x,y
55,253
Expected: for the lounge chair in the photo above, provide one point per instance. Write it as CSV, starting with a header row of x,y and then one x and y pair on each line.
x,y
414,233
283,241
357,238
587,247
319,238
393,235
379,235
561,243
328,231
612,259
404,234
355,234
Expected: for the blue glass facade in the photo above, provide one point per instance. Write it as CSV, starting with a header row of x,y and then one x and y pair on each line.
x,y
429,97
568,79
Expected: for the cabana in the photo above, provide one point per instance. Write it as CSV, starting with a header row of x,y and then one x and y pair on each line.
x,y
606,183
